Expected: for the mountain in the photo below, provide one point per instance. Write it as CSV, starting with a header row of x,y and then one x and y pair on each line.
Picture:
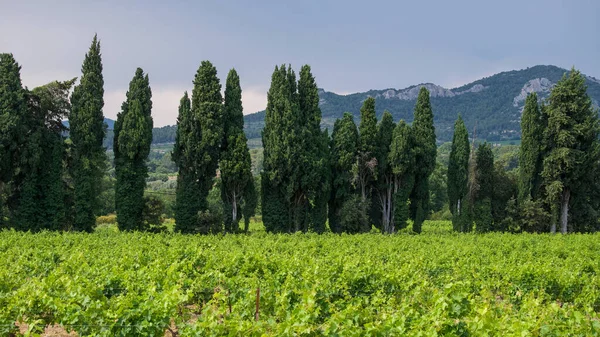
x,y
109,122
491,106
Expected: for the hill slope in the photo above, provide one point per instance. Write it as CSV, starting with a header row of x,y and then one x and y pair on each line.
x,y
494,103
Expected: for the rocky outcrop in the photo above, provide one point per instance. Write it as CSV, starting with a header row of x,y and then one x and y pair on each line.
x,y
537,85
411,93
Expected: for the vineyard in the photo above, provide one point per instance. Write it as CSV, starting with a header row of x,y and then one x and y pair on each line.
x,y
434,284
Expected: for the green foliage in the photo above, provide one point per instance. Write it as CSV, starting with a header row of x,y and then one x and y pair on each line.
x,y
423,132
570,144
133,136
235,164
152,215
458,172
352,216
402,163
530,151
295,154
344,148
482,201
435,284
87,130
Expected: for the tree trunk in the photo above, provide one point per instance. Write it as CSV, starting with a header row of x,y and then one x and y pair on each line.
x,y
564,210
458,207
234,212
553,227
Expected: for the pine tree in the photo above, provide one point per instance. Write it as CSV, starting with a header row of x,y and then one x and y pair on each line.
x,y
235,163
382,203
132,139
401,160
482,203
343,149
530,156
87,131
425,153
458,173
571,146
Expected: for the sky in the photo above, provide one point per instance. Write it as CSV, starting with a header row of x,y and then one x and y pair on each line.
x,y
352,46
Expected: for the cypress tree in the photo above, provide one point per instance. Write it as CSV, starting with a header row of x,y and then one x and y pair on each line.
x,y
275,205
401,160
365,169
382,204
425,153
530,159
197,152
87,131
187,199
12,111
343,148
235,164
458,174
571,147
482,204
314,151
132,139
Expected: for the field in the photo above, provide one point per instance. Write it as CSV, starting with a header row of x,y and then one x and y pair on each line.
x,y
434,284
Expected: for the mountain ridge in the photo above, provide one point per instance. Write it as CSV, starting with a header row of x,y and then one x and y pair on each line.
x,y
492,105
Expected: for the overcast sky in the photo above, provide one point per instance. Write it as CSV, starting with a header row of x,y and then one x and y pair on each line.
x,y
351,45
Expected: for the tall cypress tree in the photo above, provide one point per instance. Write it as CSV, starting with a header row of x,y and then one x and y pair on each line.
x,y
482,203
530,156
235,163
202,146
12,110
401,160
382,204
87,131
365,169
571,146
458,174
132,139
275,205
314,174
344,148
425,153
188,200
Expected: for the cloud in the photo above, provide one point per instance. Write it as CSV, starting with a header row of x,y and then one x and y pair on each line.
x,y
254,99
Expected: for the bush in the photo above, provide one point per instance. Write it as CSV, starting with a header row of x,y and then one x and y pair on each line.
x,y
106,219
354,217
153,217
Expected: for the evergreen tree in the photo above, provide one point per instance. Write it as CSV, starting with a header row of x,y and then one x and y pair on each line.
x,y
197,152
12,111
383,198
235,164
87,130
530,156
458,174
343,149
368,147
401,160
571,147
187,199
314,152
132,139
275,204
425,153
482,203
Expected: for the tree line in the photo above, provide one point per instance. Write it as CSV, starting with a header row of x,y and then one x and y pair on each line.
x,y
375,173
557,184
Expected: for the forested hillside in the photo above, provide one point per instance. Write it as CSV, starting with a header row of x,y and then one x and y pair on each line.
x,y
494,102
